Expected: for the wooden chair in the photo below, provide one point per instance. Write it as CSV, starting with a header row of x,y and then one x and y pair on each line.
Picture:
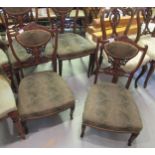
x,y
71,45
8,108
145,36
18,55
43,93
129,67
110,107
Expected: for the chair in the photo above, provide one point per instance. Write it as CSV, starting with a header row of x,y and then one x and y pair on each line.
x,y
110,107
71,45
8,108
18,55
145,36
43,93
128,68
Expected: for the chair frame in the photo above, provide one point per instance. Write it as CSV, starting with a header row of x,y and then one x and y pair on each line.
x,y
115,17
147,18
63,13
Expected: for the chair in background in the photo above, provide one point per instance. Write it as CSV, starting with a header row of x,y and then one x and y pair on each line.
x,y
70,44
43,93
145,36
115,33
8,108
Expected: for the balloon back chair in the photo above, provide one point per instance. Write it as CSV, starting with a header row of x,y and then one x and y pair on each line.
x,y
117,29
8,108
18,55
43,93
145,36
70,44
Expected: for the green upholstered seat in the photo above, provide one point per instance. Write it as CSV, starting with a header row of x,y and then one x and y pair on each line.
x,y
7,99
111,107
22,53
71,44
3,58
43,93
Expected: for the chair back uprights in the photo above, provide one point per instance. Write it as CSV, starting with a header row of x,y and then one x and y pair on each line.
x,y
112,30
116,21
62,19
16,19
34,39
145,22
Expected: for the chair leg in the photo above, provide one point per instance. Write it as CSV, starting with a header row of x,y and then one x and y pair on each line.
x,y
25,127
60,67
72,110
89,65
17,75
129,81
132,138
83,130
144,69
151,70
54,65
100,57
16,120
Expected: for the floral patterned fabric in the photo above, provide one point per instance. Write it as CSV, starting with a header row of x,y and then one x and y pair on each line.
x,y
71,44
43,93
111,107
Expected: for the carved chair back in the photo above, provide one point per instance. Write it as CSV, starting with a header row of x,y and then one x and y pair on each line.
x,y
62,18
34,38
114,17
42,15
15,19
144,22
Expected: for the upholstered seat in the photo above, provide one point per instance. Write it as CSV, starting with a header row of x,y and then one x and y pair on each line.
x,y
7,100
150,41
22,53
3,58
43,93
132,63
73,45
111,107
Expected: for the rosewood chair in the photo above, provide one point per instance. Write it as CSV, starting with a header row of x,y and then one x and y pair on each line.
x,y
43,93
18,55
145,36
111,107
8,108
116,33
70,44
